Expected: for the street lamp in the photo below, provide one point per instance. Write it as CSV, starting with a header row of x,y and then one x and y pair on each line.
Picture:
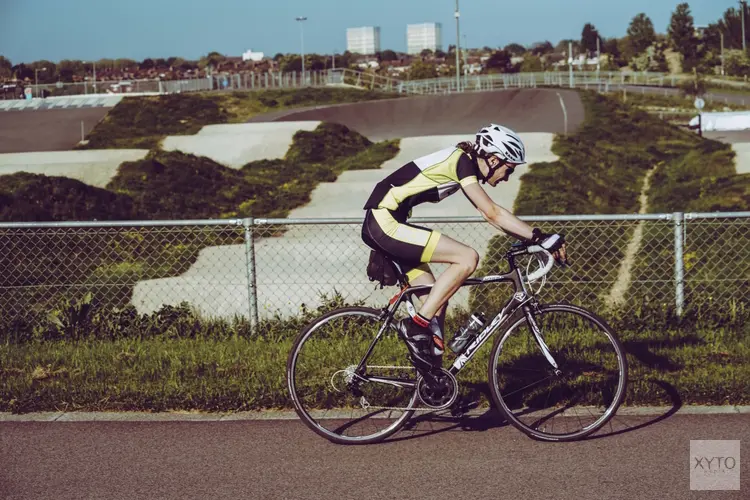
x,y
743,5
458,50
302,39
94,71
36,79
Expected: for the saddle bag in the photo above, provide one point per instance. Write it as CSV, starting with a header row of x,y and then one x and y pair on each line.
x,y
381,269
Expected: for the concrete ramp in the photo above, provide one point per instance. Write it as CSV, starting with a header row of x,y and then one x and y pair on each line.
x,y
298,267
236,145
93,167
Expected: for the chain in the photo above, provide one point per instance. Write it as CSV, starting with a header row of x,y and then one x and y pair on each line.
x,y
367,406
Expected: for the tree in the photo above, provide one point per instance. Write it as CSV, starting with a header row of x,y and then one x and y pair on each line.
x,y
611,47
389,55
731,26
641,33
658,62
681,33
66,69
23,72
564,45
532,64
515,49
5,67
736,63
125,64
589,37
542,48
147,63
292,63
422,70
440,54
278,57
499,61
49,75
426,53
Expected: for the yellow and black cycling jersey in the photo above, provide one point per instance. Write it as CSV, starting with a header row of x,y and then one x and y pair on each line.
x,y
430,178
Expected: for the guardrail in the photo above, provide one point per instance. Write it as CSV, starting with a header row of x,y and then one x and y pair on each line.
x,y
602,80
263,269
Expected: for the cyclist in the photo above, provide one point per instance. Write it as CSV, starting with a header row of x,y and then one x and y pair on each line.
x,y
492,158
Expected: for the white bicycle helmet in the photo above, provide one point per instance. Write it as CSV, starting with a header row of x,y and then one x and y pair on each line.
x,y
502,142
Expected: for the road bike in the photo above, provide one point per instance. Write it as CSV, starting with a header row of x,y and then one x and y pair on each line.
x,y
557,372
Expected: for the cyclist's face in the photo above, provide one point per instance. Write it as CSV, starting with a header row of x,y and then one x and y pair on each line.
x,y
502,174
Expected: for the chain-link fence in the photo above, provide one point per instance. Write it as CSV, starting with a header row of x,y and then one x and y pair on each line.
x,y
266,269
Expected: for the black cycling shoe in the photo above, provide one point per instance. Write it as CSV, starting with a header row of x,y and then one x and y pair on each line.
x,y
419,342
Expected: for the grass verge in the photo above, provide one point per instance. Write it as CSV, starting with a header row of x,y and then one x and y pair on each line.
x,y
219,367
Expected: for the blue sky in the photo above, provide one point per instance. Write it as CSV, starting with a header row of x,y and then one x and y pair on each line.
x,y
94,29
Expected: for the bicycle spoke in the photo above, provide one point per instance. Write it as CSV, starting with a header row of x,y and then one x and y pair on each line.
x,y
578,401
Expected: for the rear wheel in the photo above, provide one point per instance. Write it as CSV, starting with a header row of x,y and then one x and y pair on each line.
x,y
573,401
334,399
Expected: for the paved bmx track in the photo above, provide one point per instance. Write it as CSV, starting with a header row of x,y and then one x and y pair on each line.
x,y
294,269
46,130
524,110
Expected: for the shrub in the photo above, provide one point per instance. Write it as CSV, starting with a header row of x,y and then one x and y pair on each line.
x,y
35,197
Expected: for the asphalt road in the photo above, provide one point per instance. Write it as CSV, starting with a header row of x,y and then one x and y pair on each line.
x,y
523,110
635,458
46,130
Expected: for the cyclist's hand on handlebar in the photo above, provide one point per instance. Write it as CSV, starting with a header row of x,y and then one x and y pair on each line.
x,y
553,243
561,255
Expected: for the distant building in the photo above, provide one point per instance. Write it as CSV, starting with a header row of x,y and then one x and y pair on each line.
x,y
424,36
364,40
252,56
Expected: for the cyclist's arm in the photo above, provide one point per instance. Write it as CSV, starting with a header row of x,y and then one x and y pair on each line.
x,y
497,215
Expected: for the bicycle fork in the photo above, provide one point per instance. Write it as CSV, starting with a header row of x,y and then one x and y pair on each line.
x,y
540,339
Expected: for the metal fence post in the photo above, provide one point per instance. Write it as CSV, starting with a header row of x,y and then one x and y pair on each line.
x,y
252,296
679,271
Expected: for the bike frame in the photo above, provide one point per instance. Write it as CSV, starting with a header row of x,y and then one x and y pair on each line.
x,y
520,300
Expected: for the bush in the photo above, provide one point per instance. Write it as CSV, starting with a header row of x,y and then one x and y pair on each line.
x,y
150,117
174,185
329,142
34,197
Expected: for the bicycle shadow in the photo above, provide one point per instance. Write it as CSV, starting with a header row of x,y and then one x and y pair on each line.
x,y
619,424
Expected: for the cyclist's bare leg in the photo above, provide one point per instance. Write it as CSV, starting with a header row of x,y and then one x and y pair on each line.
x,y
463,262
429,279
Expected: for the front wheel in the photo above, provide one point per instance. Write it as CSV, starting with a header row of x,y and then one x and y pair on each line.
x,y
337,399
568,402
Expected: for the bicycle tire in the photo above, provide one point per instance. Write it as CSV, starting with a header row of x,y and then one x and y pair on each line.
x,y
519,409
309,408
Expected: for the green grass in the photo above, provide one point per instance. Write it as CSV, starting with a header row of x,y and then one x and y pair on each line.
x,y
221,368
657,102
143,122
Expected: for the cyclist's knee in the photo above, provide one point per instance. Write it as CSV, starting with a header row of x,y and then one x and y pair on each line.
x,y
469,261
